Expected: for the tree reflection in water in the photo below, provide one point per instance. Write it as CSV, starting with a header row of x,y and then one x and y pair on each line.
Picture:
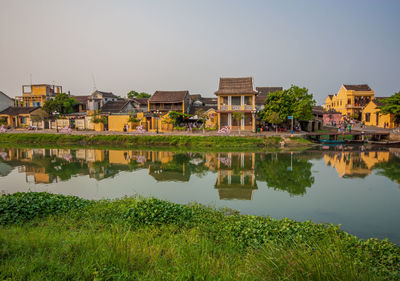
x,y
237,172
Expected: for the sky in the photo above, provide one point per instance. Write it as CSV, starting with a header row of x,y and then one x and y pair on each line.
x,y
150,45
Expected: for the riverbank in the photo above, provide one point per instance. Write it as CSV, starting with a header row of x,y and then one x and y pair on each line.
x,y
134,141
67,238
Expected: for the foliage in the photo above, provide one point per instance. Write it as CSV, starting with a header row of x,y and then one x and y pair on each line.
x,y
220,142
133,119
22,207
238,116
178,118
134,94
126,239
295,101
203,117
3,121
97,119
392,106
62,104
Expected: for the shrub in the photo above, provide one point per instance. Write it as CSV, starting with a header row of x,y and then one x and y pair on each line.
x,y
22,207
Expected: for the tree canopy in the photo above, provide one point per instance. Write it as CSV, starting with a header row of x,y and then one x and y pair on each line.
x,y
295,101
392,106
62,103
134,94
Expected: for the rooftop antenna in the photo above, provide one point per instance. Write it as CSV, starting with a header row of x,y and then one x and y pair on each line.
x,y
94,84
30,78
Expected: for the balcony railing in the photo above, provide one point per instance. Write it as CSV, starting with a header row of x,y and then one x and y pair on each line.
x,y
236,107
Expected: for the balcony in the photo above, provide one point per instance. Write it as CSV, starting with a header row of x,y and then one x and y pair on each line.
x,y
236,107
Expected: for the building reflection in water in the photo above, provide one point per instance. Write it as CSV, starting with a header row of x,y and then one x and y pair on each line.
x,y
237,173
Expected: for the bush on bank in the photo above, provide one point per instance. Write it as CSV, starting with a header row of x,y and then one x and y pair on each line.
x,y
154,140
279,247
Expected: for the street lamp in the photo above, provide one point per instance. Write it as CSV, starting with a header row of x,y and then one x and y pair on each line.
x,y
254,112
157,113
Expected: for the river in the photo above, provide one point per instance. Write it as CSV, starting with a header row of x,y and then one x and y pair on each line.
x,y
356,187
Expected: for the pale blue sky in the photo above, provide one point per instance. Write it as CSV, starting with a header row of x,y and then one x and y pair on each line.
x,y
178,45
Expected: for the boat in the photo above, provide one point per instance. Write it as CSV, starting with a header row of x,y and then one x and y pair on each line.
x,y
383,142
332,141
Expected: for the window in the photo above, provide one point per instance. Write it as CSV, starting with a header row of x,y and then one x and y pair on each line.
x,y
235,100
223,100
348,101
367,117
248,100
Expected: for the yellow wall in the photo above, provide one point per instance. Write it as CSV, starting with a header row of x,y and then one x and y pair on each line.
x,y
117,122
340,101
372,109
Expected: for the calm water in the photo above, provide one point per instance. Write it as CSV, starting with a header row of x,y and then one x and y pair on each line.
x,y
349,186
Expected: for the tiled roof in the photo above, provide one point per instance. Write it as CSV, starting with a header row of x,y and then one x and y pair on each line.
x,y
18,110
104,94
195,97
379,101
360,87
141,101
263,92
168,96
243,85
267,90
193,109
81,99
114,106
209,100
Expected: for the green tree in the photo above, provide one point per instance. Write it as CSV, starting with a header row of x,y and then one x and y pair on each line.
x,y
392,106
62,104
238,116
295,101
134,94
178,117
203,117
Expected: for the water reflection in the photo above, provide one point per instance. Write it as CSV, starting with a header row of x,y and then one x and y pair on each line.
x,y
237,172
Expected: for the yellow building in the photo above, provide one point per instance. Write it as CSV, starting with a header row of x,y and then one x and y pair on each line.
x,y
19,117
236,95
350,100
37,95
371,115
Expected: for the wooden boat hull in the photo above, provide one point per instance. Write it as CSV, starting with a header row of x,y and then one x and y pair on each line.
x,y
384,142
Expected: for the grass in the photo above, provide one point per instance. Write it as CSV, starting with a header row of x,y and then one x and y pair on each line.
x,y
128,141
54,237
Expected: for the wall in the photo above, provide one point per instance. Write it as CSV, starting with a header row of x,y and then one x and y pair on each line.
x,y
372,109
5,102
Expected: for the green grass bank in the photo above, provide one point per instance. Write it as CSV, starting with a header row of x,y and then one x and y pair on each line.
x,y
55,237
129,141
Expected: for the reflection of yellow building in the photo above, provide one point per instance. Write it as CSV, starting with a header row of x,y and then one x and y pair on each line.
x,y
371,115
350,100
236,176
350,164
120,156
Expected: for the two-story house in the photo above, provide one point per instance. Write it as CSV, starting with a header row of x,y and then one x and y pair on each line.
x,y
165,101
236,95
350,100
98,99
36,95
